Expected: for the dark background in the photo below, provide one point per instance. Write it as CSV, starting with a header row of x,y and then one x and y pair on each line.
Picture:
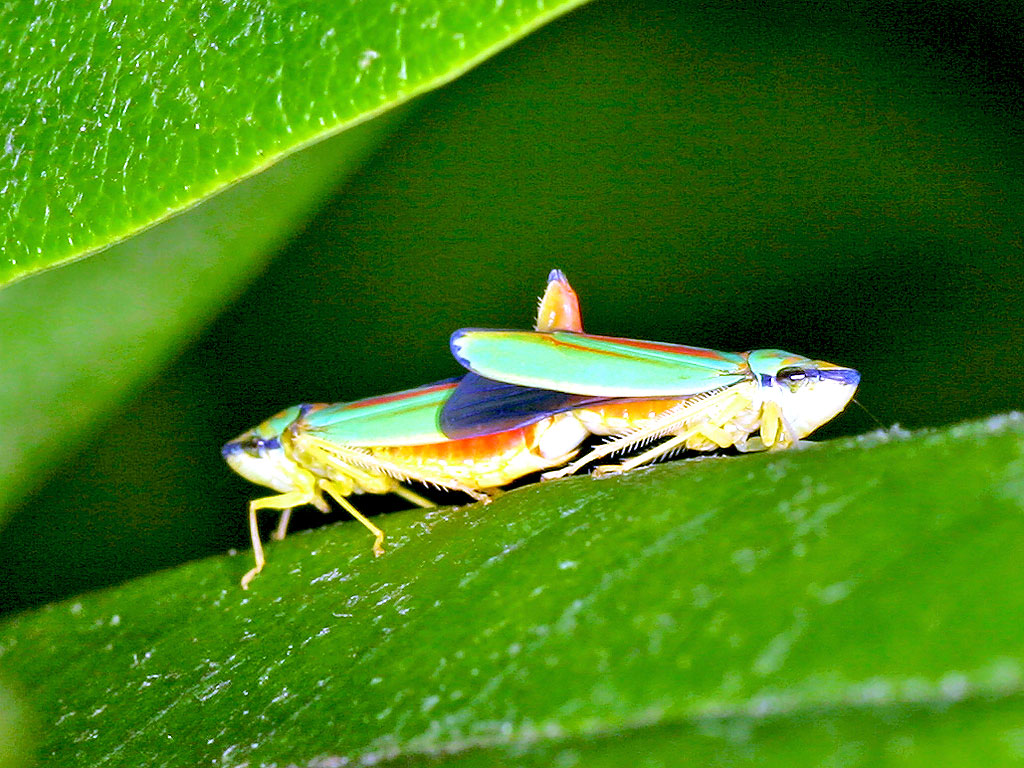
x,y
842,183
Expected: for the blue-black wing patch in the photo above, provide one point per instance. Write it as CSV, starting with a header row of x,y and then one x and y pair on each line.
x,y
481,406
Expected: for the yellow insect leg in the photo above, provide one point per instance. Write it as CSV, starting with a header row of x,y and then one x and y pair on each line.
x,y
487,495
711,430
571,469
484,495
412,497
339,496
367,470
282,525
671,423
715,434
612,446
770,414
284,502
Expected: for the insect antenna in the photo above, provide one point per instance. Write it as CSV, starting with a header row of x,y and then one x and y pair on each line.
x,y
869,413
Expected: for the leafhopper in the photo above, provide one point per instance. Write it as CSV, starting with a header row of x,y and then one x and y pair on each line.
x,y
378,444
644,393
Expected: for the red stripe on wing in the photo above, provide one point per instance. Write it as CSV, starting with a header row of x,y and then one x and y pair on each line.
x,y
676,349
398,396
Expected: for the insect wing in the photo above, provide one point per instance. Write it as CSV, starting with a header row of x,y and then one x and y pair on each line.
x,y
409,417
482,406
604,366
559,308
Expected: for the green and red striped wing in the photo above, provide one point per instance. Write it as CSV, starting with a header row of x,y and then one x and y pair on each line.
x,y
604,366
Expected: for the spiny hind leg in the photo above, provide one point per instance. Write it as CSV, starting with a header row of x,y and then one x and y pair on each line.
x,y
368,472
484,495
285,502
708,431
571,469
667,424
654,428
411,474
338,494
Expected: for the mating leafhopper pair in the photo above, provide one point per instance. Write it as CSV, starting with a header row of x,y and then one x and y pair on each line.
x,y
529,401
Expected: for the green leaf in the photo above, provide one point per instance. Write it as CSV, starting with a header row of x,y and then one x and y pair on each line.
x,y
78,340
15,736
854,603
118,115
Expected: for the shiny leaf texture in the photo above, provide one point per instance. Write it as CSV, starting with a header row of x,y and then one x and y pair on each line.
x,y
117,115
855,602
77,340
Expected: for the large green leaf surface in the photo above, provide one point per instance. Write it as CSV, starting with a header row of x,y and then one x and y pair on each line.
x,y
854,603
117,115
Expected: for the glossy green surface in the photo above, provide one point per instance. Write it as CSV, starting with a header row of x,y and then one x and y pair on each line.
x,y
594,365
856,602
771,361
77,341
17,736
409,417
118,115
873,736
276,424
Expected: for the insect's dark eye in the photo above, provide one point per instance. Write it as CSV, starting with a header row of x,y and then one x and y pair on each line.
x,y
795,375
252,446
